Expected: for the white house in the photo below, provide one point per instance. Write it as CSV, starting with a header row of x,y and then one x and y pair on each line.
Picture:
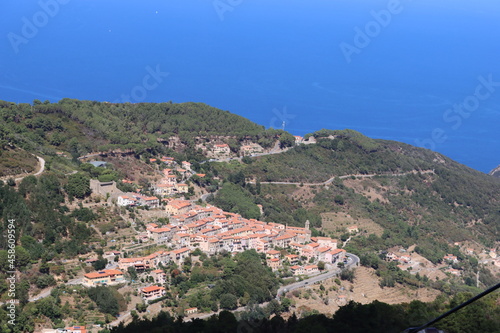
x,y
125,200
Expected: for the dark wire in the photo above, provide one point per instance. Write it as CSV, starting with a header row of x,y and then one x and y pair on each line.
x,y
455,309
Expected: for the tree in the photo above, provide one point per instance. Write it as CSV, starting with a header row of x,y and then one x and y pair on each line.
x,y
227,322
100,263
4,261
105,299
286,140
78,185
274,307
22,257
228,302
44,281
286,303
247,160
347,274
132,272
339,200
321,265
48,307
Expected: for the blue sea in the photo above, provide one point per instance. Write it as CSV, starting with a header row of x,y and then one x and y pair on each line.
x,y
423,72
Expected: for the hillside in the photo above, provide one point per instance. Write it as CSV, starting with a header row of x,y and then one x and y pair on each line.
x,y
14,162
416,195
82,127
495,172
378,198
419,193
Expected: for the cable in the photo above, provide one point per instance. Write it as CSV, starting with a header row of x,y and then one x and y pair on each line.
x,y
455,309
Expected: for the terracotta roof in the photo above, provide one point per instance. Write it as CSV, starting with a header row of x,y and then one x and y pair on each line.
x,y
151,288
323,249
164,229
184,249
104,273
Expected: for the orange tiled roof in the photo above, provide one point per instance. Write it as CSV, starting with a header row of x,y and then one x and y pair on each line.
x,y
151,288
104,273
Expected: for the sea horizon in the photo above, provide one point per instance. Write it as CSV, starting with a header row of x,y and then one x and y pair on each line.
x,y
422,73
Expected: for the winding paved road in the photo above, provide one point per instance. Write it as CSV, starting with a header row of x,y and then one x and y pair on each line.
x,y
353,260
330,180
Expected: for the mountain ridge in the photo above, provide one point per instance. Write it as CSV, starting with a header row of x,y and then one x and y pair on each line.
x,y
495,172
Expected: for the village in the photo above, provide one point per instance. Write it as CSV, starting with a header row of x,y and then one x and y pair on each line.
x,y
212,231
288,250
188,227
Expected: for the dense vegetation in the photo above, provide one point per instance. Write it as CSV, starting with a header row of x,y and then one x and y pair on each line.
x,y
80,127
46,231
16,161
424,199
442,200
482,316
234,281
44,225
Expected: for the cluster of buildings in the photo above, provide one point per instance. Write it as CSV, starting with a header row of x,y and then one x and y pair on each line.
x,y
251,149
168,185
213,230
136,199
223,150
450,258
402,259
320,249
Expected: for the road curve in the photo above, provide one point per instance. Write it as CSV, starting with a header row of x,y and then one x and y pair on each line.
x,y
353,261
330,180
41,161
